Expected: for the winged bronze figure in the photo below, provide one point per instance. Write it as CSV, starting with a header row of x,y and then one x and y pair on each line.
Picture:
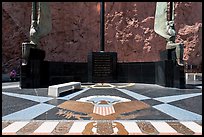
x,y
41,25
165,28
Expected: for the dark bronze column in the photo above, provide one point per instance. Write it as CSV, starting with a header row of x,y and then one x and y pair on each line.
x,y
171,11
34,10
102,26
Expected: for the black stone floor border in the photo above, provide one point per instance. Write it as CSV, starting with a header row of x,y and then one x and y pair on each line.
x,y
14,104
190,104
160,92
50,115
104,92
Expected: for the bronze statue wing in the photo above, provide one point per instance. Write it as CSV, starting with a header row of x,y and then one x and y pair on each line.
x,y
160,21
44,19
41,23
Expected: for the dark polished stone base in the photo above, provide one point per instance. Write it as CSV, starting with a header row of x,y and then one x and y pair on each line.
x,y
62,72
31,73
140,72
102,67
169,54
52,73
169,74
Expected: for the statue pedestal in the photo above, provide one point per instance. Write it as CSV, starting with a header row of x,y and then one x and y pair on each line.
x,y
168,54
168,72
31,72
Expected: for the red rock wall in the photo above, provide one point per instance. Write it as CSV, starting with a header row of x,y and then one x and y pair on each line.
x,y
76,26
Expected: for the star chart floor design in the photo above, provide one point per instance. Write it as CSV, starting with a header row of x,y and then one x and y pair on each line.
x,y
107,102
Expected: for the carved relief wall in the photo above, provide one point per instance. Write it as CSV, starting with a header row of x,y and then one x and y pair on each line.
x,y
76,26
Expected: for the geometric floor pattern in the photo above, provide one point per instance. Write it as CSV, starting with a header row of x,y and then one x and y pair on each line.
x,y
97,128
122,108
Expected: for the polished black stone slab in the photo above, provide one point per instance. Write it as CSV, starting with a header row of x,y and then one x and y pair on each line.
x,y
152,102
169,74
50,115
141,72
13,104
102,67
150,114
164,73
179,77
62,72
168,54
30,76
36,54
43,73
104,92
190,104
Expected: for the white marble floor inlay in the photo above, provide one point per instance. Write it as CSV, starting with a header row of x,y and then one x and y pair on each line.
x,y
192,126
46,127
14,127
168,99
131,127
29,97
133,94
178,113
160,127
29,113
78,127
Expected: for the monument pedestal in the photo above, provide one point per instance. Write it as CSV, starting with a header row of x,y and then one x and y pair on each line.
x,y
167,72
31,72
102,67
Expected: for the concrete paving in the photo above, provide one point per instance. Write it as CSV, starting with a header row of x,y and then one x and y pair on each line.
x,y
111,108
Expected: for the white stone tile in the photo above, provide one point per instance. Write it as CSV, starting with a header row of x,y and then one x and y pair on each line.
x,y
177,113
163,127
131,126
192,126
29,97
168,99
46,127
14,127
133,94
29,113
78,127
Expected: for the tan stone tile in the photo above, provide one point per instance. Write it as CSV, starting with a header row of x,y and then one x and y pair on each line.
x,y
180,128
104,128
29,128
147,128
62,128
5,124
